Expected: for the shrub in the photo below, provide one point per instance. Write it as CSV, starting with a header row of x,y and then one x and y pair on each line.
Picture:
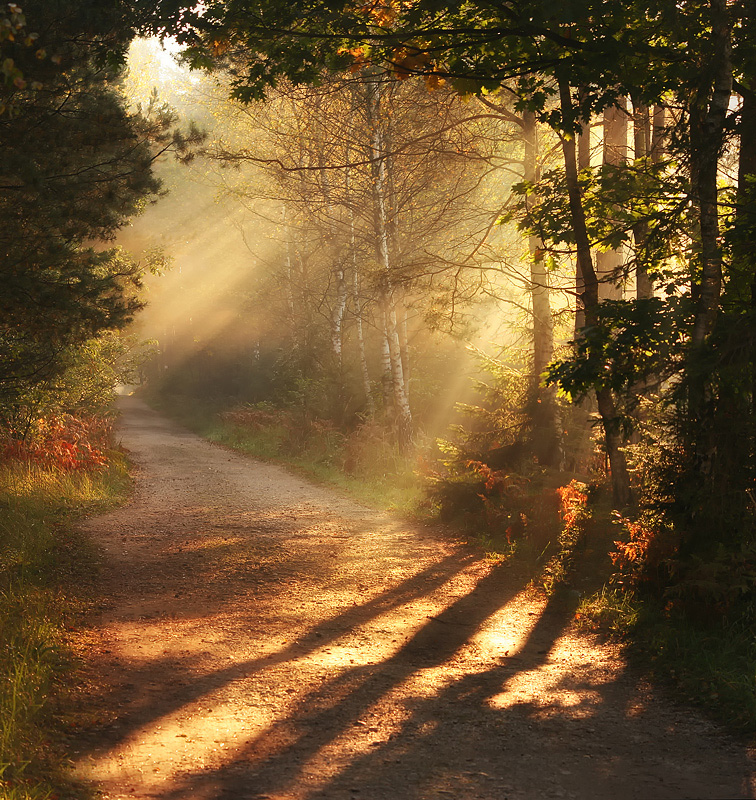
x,y
61,442
41,560
576,514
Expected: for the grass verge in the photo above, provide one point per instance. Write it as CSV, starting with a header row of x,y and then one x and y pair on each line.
x,y
44,563
708,663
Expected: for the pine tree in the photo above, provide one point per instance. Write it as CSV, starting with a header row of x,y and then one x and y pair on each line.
x,y
76,166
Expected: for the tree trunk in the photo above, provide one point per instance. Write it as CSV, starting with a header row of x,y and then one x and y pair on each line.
x,y
644,286
361,353
707,121
746,216
357,299
659,124
707,112
605,400
404,345
398,386
543,324
544,416
609,263
379,169
386,378
337,315
338,278
583,162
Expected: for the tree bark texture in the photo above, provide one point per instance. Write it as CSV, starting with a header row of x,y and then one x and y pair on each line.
x,y
708,111
583,162
746,209
338,280
644,286
545,428
543,325
658,126
357,299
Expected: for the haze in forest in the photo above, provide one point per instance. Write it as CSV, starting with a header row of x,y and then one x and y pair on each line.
x,y
487,265
256,200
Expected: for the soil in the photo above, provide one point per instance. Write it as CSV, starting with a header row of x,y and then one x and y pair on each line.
x,y
263,637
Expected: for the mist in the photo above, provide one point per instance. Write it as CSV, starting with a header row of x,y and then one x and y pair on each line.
x,y
338,248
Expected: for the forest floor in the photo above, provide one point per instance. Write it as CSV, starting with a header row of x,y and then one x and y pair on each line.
x,y
262,637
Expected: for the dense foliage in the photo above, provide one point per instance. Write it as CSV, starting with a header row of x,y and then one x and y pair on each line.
x,y
77,164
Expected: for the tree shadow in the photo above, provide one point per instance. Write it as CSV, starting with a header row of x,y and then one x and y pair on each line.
x,y
475,736
180,685
462,743
324,715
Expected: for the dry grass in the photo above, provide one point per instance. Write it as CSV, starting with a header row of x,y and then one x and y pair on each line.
x,y
41,559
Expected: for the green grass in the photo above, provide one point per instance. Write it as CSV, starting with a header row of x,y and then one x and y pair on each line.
x,y
396,487
709,663
43,564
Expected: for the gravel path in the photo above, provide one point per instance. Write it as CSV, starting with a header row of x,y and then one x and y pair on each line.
x,y
262,637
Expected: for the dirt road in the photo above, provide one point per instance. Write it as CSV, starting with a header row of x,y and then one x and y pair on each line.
x,y
262,637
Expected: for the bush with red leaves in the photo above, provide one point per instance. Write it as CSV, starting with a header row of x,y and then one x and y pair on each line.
x,y
65,443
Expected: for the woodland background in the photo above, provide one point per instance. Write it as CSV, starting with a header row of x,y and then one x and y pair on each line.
x,y
491,263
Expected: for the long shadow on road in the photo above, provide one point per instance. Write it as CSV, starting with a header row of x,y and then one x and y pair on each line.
x,y
273,763
476,737
183,687
490,728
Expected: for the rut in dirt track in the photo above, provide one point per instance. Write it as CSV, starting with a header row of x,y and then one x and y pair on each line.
x,y
261,637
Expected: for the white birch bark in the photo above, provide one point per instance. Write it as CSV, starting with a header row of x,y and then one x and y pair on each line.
x,y
357,298
337,270
379,168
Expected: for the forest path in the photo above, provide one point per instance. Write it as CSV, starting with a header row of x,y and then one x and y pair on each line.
x,y
262,637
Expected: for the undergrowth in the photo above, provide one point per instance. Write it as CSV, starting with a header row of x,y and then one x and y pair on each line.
x,y
575,514
363,462
711,664
690,622
43,562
